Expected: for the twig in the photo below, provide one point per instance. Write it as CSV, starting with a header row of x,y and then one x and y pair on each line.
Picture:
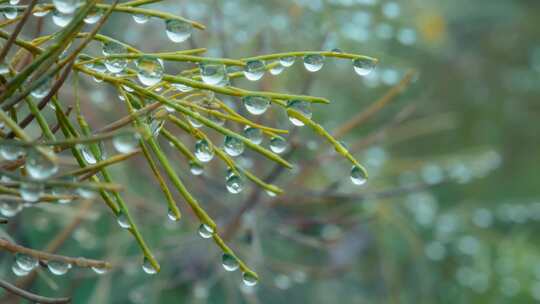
x,y
44,256
31,296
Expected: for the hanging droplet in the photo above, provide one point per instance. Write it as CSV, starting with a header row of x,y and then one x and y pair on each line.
x,y
234,184
270,193
126,143
40,11
172,216
277,69
218,120
301,106
287,61
99,270
93,16
18,271
364,66
195,168
313,62
31,192
4,69
254,70
278,144
64,192
194,122
39,166
255,135
11,152
42,89
358,176
256,105
212,73
66,6
89,155
233,146
10,208
122,220
58,267
182,87
140,18
10,12
147,266
61,19
14,2
178,30
337,50
26,262
205,231
86,193
114,65
149,70
229,262
204,151
155,127
249,279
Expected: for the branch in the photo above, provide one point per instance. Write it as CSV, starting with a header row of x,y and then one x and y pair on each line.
x,y
30,296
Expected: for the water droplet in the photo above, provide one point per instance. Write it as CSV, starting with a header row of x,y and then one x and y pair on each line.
x,y
26,262
155,127
204,151
147,267
122,220
58,267
287,61
10,208
301,106
278,144
256,105
271,193
358,176
14,2
313,62
42,89
277,69
4,69
172,216
230,263
39,166
254,70
205,231
212,73
93,16
114,65
11,152
182,87
177,30
126,143
337,50
194,122
10,12
64,192
233,146
31,192
249,279
149,70
88,155
140,18
66,6
86,193
195,169
18,271
255,135
99,270
61,19
234,184
39,11
364,66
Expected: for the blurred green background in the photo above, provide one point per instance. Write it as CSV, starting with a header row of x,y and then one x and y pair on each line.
x,y
451,210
